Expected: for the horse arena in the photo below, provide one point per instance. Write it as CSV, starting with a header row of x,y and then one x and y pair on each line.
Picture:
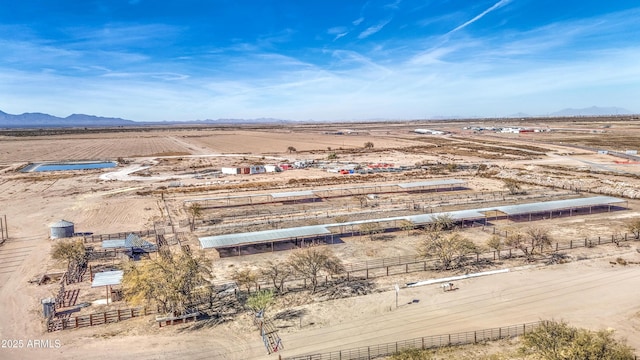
x,y
367,204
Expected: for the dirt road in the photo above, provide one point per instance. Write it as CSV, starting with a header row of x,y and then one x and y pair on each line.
x,y
590,293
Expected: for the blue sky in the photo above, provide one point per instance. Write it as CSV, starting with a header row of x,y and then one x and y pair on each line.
x,y
317,60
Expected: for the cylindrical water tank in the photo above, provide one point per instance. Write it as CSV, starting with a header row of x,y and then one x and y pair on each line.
x,y
62,229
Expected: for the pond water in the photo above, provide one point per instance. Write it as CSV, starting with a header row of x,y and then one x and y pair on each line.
x,y
40,167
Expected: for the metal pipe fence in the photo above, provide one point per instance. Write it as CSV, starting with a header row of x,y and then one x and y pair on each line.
x,y
427,342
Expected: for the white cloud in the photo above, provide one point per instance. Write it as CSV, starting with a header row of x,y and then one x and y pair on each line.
x,y
338,32
358,21
400,78
495,6
373,29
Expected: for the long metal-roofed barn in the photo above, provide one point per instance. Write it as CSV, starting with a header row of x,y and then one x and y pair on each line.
x,y
265,237
62,229
317,194
296,234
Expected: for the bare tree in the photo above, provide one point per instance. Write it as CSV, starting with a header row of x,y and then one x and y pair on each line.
x,y
363,200
634,228
408,226
370,229
450,249
442,222
529,242
195,212
291,149
277,273
246,277
314,261
495,243
513,186
368,145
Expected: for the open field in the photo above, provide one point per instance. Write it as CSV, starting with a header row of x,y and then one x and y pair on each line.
x,y
163,168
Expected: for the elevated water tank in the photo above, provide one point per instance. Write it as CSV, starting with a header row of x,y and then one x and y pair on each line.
x,y
62,229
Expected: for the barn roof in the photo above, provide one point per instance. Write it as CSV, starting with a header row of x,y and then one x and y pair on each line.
x,y
256,237
309,193
557,205
231,240
132,241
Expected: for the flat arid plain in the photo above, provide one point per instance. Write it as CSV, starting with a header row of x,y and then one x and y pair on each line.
x,y
160,170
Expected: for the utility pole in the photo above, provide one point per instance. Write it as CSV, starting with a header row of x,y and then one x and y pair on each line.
x,y
397,291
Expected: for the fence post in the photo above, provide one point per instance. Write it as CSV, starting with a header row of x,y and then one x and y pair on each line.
x,y
598,240
571,244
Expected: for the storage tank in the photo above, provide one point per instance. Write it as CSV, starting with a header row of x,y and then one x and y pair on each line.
x,y
62,229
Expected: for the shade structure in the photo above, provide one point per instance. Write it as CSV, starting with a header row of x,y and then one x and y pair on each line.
x,y
132,241
422,184
546,206
107,278
258,237
307,193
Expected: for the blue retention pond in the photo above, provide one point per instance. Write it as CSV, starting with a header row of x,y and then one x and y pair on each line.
x,y
65,166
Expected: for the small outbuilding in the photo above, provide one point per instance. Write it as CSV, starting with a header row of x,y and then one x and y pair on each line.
x,y
62,229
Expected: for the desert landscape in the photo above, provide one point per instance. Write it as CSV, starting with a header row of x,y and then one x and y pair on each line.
x,y
335,176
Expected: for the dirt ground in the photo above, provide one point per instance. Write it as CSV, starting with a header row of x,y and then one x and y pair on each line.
x,y
139,194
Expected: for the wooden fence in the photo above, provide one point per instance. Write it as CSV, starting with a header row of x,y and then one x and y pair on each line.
x,y
106,317
427,342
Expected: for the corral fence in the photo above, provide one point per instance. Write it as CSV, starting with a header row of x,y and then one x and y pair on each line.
x,y
414,263
106,317
258,216
121,235
427,342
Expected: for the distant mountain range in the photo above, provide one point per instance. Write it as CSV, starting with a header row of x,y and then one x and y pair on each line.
x,y
590,111
40,120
